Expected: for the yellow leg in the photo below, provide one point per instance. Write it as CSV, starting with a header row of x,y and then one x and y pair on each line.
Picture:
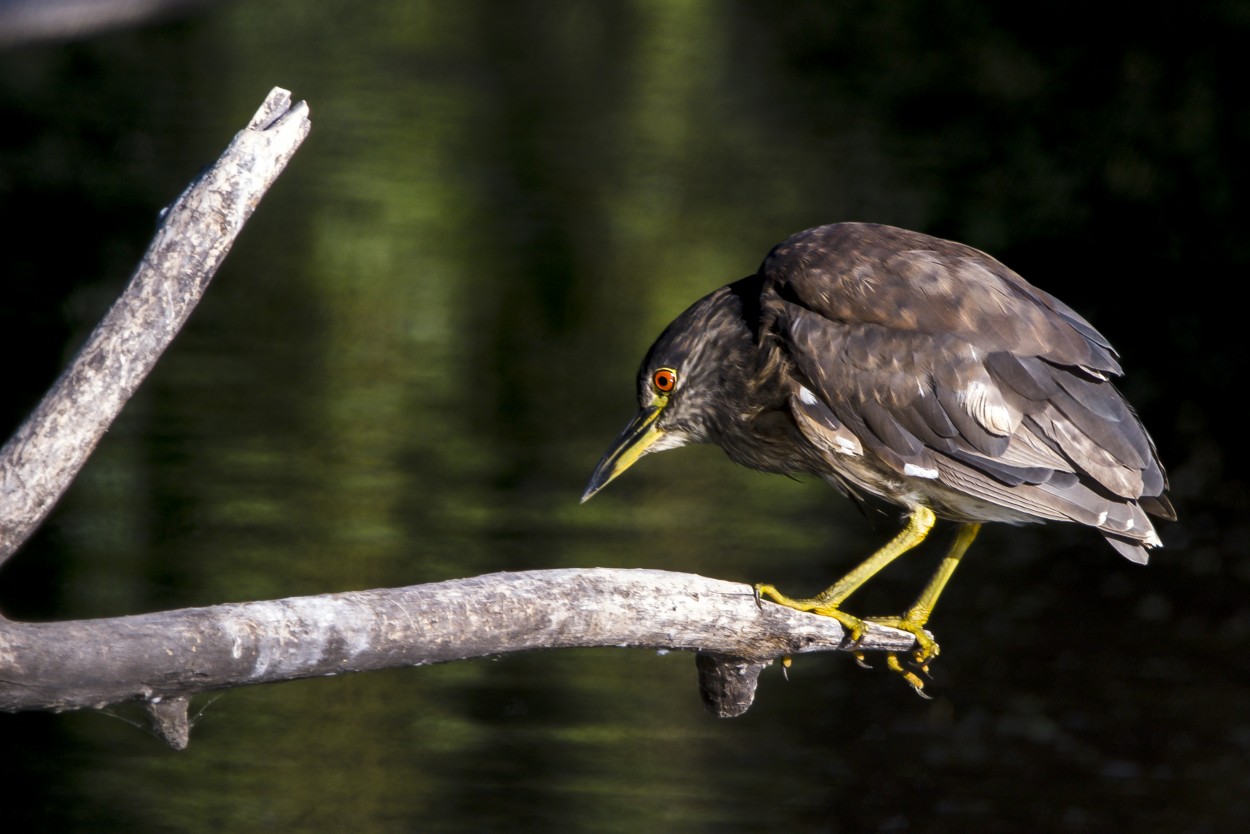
x,y
828,601
919,523
918,615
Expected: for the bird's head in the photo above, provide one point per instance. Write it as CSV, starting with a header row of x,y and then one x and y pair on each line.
x,y
691,382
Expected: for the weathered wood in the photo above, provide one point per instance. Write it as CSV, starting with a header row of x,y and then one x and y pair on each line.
x,y
170,719
172,654
727,684
44,455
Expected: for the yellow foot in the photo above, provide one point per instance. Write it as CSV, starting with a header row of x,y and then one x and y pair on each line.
x,y
854,625
926,647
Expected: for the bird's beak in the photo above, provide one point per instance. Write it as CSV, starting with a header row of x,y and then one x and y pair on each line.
x,y
633,443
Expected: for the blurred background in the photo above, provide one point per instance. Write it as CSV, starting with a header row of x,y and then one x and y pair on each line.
x,y
428,334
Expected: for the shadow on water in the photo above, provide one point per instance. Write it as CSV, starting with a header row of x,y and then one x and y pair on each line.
x,y
428,334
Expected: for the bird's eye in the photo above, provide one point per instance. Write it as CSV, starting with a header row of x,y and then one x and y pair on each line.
x,y
664,380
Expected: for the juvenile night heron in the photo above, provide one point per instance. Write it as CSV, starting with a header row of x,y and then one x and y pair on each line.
x,y
917,370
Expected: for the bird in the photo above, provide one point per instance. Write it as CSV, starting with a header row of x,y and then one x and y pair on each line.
x,y
911,370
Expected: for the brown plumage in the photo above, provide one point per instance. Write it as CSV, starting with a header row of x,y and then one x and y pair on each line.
x,y
917,370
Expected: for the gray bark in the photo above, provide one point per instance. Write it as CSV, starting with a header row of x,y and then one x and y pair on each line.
x,y
169,654
36,21
44,455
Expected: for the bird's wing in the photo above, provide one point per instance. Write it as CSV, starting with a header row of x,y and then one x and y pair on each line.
x,y
907,281
943,364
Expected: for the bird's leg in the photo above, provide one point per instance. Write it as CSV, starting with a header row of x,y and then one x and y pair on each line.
x,y
918,615
919,523
827,602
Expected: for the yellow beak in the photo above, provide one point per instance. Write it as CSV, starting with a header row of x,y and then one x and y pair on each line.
x,y
633,443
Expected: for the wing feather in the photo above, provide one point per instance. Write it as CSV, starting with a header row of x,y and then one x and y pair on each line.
x,y
929,356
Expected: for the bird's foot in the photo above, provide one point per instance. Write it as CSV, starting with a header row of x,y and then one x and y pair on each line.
x,y
854,625
926,647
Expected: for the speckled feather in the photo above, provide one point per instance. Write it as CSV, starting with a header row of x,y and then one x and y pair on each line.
x,y
919,370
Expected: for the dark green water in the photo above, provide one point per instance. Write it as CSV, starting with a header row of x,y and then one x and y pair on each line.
x,y
427,335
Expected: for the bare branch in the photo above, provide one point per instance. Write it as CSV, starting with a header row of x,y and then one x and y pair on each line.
x,y
172,654
46,453
34,21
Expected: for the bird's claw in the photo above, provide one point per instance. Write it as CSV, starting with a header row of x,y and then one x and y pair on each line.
x,y
917,684
926,647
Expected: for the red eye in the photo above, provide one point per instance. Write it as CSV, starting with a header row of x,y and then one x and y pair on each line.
x,y
665,380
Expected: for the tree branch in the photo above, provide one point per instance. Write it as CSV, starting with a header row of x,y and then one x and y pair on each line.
x,y
45,454
175,654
